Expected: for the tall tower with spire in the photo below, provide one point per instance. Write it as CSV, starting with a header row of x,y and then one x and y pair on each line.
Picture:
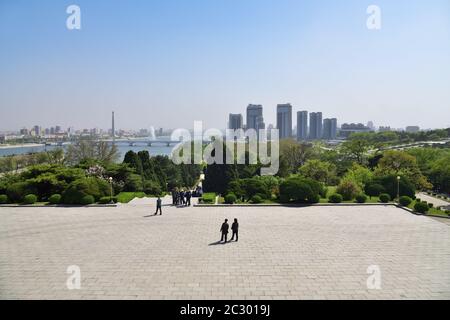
x,y
113,130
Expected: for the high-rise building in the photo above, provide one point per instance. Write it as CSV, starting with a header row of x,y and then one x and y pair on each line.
x,y
37,130
284,120
58,129
235,121
315,125
302,125
255,119
330,129
412,129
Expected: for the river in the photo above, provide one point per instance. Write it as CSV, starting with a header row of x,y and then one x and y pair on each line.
x,y
154,150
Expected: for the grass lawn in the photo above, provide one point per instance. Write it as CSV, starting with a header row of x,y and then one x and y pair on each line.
x,y
125,197
433,211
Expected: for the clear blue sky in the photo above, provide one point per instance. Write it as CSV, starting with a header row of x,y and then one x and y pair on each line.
x,y
170,62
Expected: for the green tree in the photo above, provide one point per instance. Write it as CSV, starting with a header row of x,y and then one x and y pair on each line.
x,y
399,163
356,149
320,171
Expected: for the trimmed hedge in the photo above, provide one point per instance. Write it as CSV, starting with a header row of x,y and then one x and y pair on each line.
x,y
230,198
405,201
421,207
385,198
300,190
106,200
335,198
55,199
3,198
256,199
30,199
88,199
361,198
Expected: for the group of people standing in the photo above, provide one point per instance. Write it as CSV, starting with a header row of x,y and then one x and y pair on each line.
x,y
224,230
181,197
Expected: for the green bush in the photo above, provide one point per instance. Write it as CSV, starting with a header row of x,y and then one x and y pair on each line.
x,y
385,198
421,207
335,198
405,201
349,189
3,198
230,198
17,191
55,199
361,198
106,200
209,198
300,190
255,186
418,200
430,205
88,199
152,188
374,189
30,199
390,183
256,199
80,188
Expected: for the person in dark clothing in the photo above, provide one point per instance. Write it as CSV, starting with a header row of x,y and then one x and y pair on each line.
x,y
224,230
188,197
235,229
158,206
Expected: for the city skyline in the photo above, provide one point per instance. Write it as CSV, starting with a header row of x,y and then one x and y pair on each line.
x,y
168,64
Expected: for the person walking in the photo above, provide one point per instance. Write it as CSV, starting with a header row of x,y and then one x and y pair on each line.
x,y
158,206
224,231
235,229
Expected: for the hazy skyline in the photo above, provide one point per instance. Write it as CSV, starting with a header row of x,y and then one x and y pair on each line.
x,y
167,63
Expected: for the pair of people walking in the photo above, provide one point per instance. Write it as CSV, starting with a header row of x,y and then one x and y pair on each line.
x,y
224,230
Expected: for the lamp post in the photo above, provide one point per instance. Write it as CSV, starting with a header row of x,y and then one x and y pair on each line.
x,y
398,189
111,190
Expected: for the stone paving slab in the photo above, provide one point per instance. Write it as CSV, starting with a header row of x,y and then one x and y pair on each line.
x,y
283,253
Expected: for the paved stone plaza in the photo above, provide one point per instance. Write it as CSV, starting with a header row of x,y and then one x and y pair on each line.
x,y
282,253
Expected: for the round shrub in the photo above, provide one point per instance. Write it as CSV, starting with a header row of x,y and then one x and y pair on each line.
x,y
405,201
418,200
17,191
3,198
55,199
430,205
88,199
335,198
421,207
385,198
230,198
300,190
30,199
361,198
256,199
